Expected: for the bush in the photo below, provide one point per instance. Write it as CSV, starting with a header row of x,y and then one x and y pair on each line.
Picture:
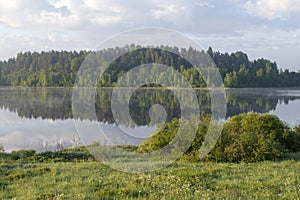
x,y
169,131
253,137
248,137
295,145
21,154
160,139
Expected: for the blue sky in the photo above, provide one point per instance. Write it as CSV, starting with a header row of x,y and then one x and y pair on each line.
x,y
261,28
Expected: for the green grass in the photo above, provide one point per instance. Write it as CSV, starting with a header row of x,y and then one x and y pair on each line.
x,y
181,180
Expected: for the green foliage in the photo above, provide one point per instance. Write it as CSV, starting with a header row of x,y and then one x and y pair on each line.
x,y
253,137
54,69
67,155
160,139
295,145
168,132
2,148
22,154
43,69
130,148
250,137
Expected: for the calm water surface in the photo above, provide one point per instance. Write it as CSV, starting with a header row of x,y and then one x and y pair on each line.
x,y
42,119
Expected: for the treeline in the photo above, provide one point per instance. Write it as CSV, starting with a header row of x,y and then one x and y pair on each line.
x,y
53,68
59,68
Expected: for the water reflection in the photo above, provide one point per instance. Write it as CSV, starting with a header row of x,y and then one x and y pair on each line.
x,y
41,118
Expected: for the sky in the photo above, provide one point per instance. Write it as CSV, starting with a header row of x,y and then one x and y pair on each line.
x,y
260,28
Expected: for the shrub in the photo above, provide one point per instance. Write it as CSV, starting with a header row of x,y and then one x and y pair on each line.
x,y
295,146
160,139
253,137
21,154
248,137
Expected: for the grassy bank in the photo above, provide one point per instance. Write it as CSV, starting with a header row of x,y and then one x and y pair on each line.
x,y
181,180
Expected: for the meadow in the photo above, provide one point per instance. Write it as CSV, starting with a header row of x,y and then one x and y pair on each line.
x,y
260,161
184,179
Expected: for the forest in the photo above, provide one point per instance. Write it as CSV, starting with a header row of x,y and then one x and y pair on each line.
x,y
59,68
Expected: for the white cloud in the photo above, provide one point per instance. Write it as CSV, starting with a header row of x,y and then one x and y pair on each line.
x,y
272,9
82,24
164,12
22,13
10,5
59,14
204,4
6,13
105,20
280,46
174,12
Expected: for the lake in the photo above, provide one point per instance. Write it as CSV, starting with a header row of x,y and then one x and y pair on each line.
x,y
42,118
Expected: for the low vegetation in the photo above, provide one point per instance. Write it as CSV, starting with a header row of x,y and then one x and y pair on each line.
x,y
250,137
257,157
181,180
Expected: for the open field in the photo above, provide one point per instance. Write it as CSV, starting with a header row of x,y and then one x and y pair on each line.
x,y
182,180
